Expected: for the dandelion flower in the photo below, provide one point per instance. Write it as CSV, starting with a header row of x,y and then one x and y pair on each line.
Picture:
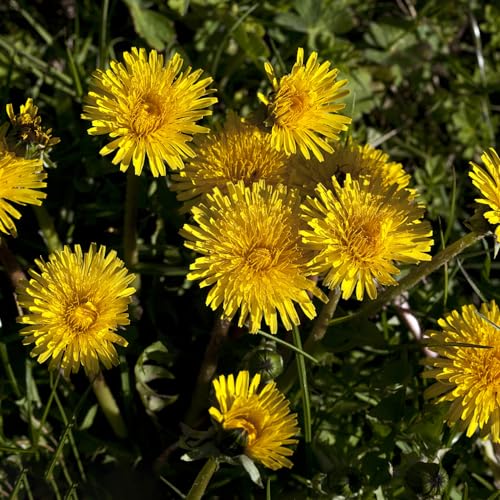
x,y
251,255
74,304
240,151
303,110
488,182
348,158
360,230
263,415
21,182
149,109
27,126
467,371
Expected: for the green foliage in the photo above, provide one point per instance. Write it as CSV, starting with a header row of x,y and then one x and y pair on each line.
x,y
423,87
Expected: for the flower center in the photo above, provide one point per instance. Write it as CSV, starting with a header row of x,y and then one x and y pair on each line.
x,y
291,103
249,171
259,259
364,241
299,101
82,316
147,115
490,369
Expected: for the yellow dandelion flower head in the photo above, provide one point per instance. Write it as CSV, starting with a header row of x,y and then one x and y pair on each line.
x,y
487,180
74,303
348,158
149,109
239,152
360,230
467,371
21,182
27,126
303,110
251,255
263,414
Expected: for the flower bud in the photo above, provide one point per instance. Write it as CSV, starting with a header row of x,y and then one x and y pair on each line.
x,y
266,361
426,479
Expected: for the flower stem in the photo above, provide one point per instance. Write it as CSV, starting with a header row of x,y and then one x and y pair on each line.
x,y
11,266
16,274
322,321
302,372
130,251
102,34
202,479
108,405
420,272
318,331
46,223
207,370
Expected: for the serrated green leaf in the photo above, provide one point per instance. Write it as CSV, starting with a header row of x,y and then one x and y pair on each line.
x,y
155,28
292,22
249,37
153,366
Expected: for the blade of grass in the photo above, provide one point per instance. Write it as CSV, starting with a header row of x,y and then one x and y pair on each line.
x,y
27,488
41,31
74,72
43,66
62,441
17,486
485,103
4,355
290,346
57,493
72,442
71,493
172,487
127,396
452,211
47,407
17,451
302,372
470,281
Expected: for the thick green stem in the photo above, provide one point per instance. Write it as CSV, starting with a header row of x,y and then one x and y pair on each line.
x,y
202,479
207,371
108,405
130,251
46,223
420,272
322,321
